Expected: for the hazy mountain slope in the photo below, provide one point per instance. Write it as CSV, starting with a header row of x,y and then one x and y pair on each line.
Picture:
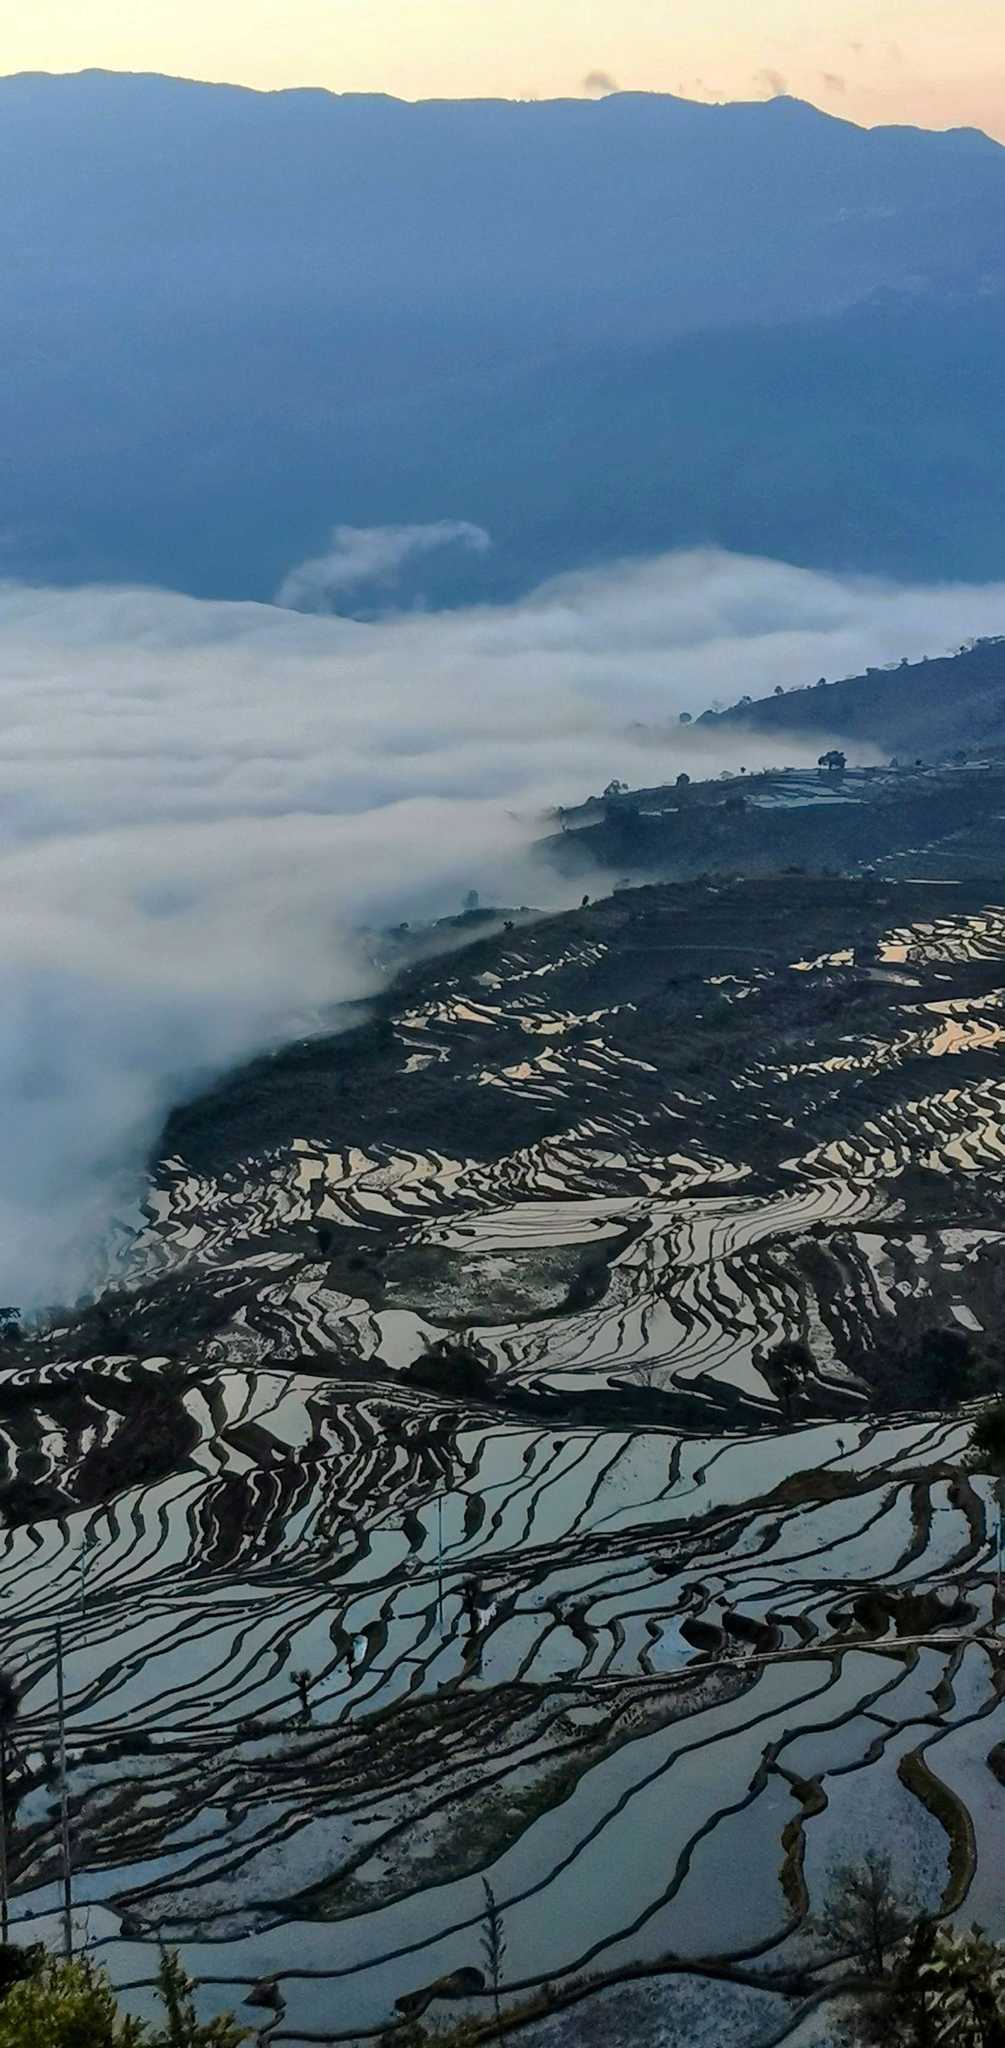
x,y
872,440
922,707
232,319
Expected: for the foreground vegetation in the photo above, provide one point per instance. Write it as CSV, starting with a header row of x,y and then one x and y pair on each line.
x,y
902,1980
51,2004
923,1985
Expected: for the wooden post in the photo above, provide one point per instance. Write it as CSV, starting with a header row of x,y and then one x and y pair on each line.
x,y
439,1560
1000,1541
4,1909
64,1802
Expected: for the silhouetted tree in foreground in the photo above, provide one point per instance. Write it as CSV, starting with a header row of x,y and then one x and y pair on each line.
x,y
987,1454
987,1441
864,1916
10,1705
493,1943
787,1369
301,1682
72,2005
924,1985
183,2029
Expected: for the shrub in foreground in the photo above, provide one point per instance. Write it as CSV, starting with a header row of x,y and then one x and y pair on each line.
x,y
72,2005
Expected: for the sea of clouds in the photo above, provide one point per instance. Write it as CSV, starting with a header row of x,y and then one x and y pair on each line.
x,y
201,804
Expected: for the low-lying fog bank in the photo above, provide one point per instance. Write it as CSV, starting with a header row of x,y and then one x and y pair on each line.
x,y
201,803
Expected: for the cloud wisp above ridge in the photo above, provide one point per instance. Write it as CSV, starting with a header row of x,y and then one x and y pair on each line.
x,y
362,556
202,803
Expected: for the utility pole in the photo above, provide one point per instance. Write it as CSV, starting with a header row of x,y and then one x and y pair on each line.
x,y
1000,1544
4,1909
87,1543
64,1802
439,1560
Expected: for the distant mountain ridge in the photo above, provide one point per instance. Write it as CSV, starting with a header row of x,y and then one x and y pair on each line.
x,y
928,708
233,319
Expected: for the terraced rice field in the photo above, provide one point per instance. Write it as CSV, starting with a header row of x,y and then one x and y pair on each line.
x,y
456,1395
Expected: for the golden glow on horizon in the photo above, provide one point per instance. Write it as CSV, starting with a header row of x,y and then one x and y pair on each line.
x,y
928,61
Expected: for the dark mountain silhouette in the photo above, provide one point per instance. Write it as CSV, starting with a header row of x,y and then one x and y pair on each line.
x,y
231,319
930,708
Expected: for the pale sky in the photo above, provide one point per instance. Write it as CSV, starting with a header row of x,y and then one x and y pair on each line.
x,y
935,62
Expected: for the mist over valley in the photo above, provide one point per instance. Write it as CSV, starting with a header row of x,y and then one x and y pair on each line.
x,y
502,1120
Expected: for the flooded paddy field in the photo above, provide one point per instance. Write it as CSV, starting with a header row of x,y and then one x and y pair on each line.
x,y
423,1502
